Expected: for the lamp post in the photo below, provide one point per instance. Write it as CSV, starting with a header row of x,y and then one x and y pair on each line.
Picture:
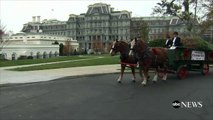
x,y
102,44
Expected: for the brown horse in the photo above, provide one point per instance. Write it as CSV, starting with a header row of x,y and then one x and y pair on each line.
x,y
125,59
149,58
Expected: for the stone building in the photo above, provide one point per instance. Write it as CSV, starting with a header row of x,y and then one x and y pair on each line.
x,y
158,26
101,23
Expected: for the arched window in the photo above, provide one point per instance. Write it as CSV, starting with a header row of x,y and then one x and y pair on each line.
x,y
50,54
31,55
45,55
14,56
4,56
56,53
38,55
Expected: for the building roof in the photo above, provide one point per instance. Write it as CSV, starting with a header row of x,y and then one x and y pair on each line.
x,y
52,22
150,18
101,8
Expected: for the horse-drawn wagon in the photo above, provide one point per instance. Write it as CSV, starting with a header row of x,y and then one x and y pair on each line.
x,y
177,60
181,60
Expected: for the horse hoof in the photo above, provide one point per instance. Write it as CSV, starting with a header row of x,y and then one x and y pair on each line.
x,y
154,82
133,81
143,84
119,81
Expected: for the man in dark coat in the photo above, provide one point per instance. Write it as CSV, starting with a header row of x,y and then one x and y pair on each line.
x,y
176,41
168,43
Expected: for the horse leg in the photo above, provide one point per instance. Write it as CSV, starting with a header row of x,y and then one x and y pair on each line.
x,y
121,74
145,73
155,78
133,73
165,77
165,74
141,73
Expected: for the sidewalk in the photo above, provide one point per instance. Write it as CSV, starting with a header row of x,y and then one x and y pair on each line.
x,y
9,77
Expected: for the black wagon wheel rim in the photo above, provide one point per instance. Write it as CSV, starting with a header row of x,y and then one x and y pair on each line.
x,y
182,73
205,69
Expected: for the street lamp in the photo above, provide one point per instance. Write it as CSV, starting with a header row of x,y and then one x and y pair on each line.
x,y
102,46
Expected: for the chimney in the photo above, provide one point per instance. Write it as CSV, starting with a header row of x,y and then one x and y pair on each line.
x,y
38,18
34,18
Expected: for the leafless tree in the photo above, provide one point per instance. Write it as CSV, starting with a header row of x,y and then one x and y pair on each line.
x,y
68,49
183,9
97,45
2,31
208,16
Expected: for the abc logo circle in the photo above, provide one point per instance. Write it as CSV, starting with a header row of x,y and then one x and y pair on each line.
x,y
176,104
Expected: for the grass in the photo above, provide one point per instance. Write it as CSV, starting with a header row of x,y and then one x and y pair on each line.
x,y
37,61
105,60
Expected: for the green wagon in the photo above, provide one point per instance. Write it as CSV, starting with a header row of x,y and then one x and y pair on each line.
x,y
181,60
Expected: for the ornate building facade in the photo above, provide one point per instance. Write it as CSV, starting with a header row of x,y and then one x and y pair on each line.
x,y
99,23
102,23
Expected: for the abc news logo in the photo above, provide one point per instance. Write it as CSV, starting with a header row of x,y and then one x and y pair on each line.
x,y
187,104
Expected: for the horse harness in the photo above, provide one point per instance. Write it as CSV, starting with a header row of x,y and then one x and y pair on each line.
x,y
124,56
146,54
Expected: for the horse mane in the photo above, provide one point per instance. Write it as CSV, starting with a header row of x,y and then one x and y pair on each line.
x,y
142,45
123,41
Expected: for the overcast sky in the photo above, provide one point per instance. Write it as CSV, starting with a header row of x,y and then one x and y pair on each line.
x,y
15,13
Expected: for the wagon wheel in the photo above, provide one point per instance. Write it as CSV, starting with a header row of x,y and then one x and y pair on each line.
x,y
182,72
205,69
161,73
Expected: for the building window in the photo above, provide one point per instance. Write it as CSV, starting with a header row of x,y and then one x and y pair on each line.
x,y
158,30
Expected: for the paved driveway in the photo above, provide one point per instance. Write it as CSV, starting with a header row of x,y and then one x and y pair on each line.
x,y
99,97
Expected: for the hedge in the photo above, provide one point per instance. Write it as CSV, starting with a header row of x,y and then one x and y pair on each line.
x,y
196,42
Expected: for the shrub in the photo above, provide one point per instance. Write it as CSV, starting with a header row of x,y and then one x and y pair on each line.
x,y
196,43
22,57
189,42
157,43
30,57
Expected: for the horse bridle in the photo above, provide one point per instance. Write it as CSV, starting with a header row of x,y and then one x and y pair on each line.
x,y
113,48
144,53
116,50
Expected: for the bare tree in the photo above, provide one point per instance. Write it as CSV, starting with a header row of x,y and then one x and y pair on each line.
x,y
208,16
2,31
4,36
68,49
97,45
180,9
145,31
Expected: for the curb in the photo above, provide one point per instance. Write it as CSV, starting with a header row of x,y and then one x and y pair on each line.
x,y
56,79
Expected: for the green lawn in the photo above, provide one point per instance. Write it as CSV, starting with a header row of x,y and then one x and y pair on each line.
x,y
36,61
104,60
